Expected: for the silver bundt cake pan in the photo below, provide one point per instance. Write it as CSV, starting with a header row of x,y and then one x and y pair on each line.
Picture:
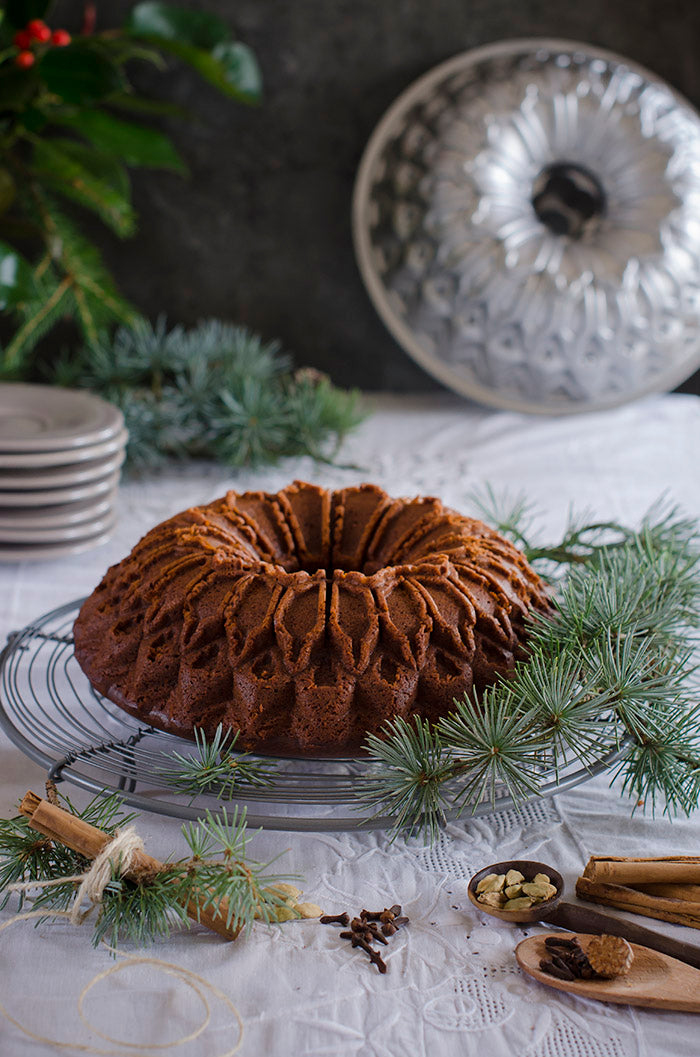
x,y
527,222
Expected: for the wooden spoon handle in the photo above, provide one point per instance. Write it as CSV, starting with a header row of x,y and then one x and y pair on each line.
x,y
582,919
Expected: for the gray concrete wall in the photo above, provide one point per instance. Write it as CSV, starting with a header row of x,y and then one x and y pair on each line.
x,y
261,232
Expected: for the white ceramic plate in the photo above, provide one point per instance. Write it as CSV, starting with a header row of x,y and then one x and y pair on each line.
x,y
59,534
50,496
46,418
65,457
57,516
61,476
33,552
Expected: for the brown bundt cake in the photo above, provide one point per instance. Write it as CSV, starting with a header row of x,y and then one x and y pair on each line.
x,y
306,618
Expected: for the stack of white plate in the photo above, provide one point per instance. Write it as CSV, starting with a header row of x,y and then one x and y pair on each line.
x,y
61,452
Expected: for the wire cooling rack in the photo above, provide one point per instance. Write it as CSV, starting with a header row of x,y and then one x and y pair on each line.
x,y
51,712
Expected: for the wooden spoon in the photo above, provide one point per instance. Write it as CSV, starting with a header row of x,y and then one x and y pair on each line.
x,y
577,918
655,980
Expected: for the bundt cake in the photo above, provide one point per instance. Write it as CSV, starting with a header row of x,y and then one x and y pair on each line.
x,y
306,618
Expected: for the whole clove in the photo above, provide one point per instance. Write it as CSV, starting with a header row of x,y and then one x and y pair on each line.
x,y
376,934
561,941
567,955
565,966
365,930
561,973
374,956
335,919
387,914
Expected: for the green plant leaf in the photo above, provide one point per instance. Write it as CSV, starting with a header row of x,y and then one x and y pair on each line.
x,y
204,43
17,86
240,70
56,162
223,74
167,22
134,144
8,190
137,104
80,74
34,119
16,278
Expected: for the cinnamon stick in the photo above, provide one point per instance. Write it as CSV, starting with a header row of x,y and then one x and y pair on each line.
x,y
674,869
89,841
623,897
691,893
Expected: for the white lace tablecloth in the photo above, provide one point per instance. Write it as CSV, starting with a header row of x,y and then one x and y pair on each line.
x,y
452,988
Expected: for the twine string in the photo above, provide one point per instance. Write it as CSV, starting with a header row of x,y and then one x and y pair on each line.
x,y
116,857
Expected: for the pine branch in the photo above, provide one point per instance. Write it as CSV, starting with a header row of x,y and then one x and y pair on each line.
x,y
143,912
25,855
216,769
409,783
38,318
69,176
611,666
496,742
216,391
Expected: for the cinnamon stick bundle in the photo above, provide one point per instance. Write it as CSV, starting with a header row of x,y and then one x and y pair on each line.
x,y
89,841
667,888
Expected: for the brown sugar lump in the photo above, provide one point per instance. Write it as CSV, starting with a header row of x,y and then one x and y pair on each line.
x,y
306,618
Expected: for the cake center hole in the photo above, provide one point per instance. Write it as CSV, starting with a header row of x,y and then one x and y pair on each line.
x,y
567,197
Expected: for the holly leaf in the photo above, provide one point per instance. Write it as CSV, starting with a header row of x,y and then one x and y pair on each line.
x,y
240,70
79,74
8,190
133,144
17,87
135,104
200,29
204,42
16,278
232,68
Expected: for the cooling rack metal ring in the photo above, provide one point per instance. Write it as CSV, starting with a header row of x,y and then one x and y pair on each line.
x,y
51,712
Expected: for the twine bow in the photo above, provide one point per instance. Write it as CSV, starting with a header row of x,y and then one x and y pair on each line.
x,y
115,858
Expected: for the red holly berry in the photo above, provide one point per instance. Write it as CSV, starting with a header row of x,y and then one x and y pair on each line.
x,y
60,38
22,40
38,31
25,59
